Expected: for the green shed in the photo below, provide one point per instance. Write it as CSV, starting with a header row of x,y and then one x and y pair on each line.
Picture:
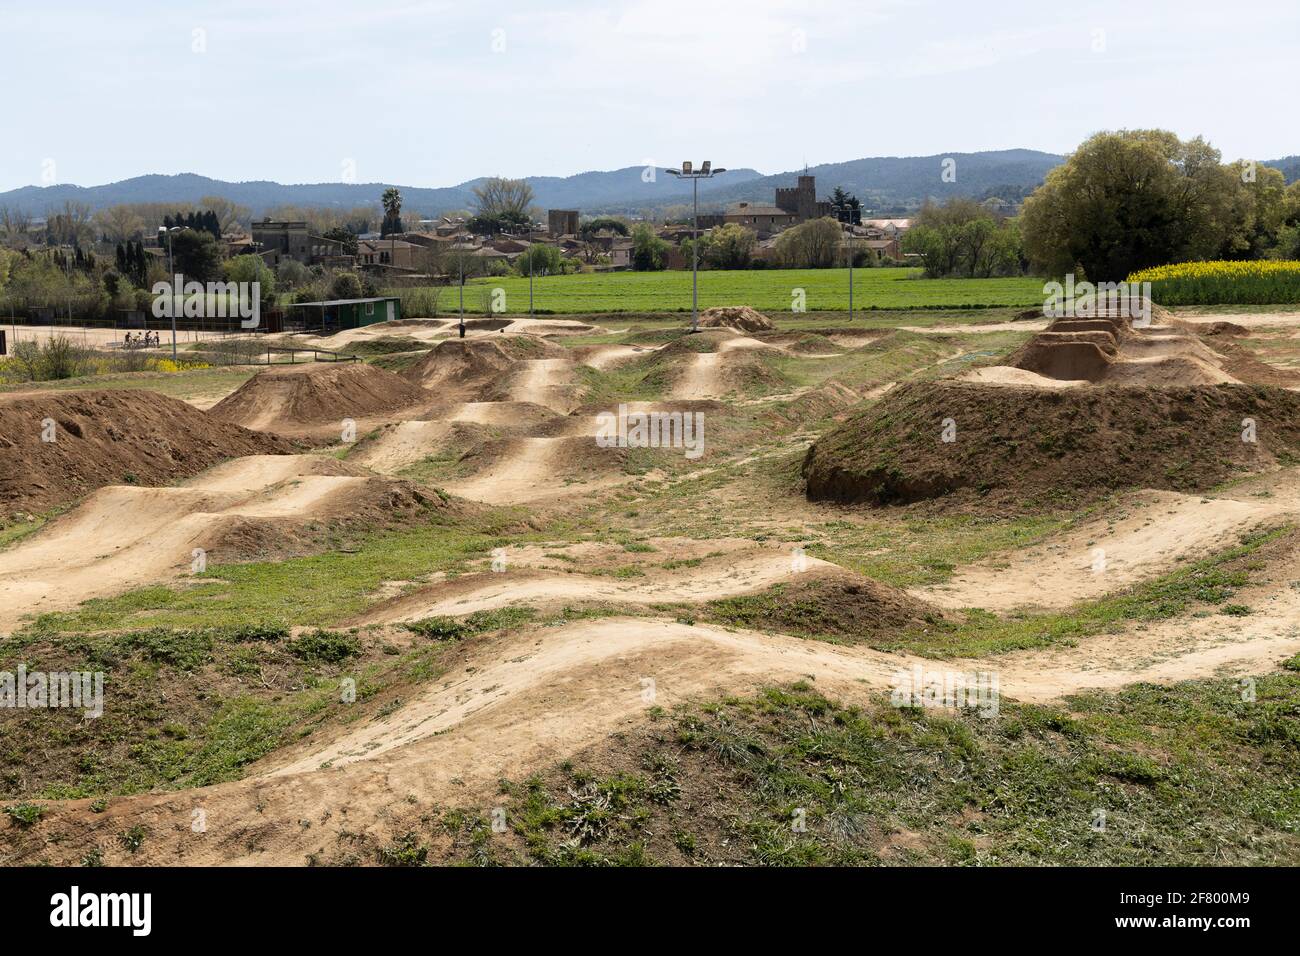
x,y
338,314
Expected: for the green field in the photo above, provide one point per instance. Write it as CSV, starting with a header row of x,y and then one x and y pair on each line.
x,y
768,290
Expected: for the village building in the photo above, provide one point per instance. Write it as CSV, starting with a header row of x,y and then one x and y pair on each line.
x,y
763,220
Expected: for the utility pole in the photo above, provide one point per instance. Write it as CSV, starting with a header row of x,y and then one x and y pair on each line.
x,y
460,259
176,293
695,175
841,209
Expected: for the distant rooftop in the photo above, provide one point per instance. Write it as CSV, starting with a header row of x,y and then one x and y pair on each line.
x,y
380,298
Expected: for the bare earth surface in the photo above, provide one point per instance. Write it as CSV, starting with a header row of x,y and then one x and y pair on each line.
x,y
513,702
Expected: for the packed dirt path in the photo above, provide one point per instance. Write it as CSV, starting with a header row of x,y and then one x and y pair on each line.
x,y
524,473
723,577
1146,534
702,378
518,702
401,445
546,382
124,536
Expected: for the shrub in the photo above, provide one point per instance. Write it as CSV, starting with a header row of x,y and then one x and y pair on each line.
x,y
25,814
328,647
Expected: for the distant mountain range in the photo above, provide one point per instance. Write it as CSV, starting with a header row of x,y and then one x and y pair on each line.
x,y
883,183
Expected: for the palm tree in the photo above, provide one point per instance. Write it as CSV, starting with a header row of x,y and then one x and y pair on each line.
x,y
392,200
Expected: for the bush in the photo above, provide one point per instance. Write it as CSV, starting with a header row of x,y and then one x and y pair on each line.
x,y
324,647
346,285
25,814
58,357
262,631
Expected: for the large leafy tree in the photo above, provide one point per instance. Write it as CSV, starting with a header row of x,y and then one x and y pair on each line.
x,y
962,238
1128,200
603,224
196,255
649,252
811,245
729,247
504,201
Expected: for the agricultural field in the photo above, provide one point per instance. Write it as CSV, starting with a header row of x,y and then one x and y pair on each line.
x,y
444,606
1257,282
766,290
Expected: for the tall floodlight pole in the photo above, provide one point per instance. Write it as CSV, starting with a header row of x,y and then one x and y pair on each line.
x,y
175,292
530,266
695,175
840,211
460,258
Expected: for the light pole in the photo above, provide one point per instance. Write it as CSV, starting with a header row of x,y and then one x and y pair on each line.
x,y
530,266
848,207
460,259
695,175
171,269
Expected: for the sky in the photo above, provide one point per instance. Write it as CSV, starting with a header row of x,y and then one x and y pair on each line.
x,y
434,93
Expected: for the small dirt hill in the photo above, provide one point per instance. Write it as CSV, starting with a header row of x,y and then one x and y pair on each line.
x,y
105,437
1111,351
739,317
1014,445
464,367
836,604
297,397
702,366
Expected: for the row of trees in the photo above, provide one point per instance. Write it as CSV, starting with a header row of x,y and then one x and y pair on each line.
x,y
963,239
77,223
1139,198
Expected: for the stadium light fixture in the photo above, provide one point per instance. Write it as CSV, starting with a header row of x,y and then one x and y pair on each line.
x,y
706,171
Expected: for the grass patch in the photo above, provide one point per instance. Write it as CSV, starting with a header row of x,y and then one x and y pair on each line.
x,y
1151,776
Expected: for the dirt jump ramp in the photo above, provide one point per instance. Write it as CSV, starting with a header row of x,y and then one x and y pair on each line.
x,y
57,446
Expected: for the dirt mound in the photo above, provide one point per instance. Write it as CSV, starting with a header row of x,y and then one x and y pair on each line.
x,y
1115,326
829,400
515,470
295,397
259,507
828,603
812,343
685,345
739,317
1168,370
703,367
1238,361
1109,351
464,367
108,437
1012,445
486,325
1064,359
460,363
1217,328
1104,340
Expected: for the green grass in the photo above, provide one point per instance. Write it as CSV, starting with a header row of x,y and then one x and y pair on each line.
x,y
768,290
186,386
824,611
1192,774
314,591
1208,582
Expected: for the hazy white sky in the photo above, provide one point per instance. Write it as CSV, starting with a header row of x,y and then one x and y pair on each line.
x,y
431,92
